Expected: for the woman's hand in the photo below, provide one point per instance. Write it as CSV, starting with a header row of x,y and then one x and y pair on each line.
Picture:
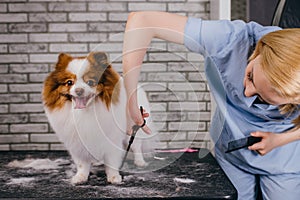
x,y
273,140
134,117
268,142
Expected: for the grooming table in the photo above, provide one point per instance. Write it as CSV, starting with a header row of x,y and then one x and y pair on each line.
x,y
174,174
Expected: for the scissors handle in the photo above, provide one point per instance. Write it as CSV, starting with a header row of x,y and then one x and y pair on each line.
x,y
142,113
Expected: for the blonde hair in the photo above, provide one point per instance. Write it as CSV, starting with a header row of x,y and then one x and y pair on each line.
x,y
280,62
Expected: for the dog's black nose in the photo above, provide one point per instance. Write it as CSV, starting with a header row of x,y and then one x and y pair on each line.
x,y
79,91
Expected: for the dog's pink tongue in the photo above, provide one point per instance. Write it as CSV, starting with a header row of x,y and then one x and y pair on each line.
x,y
80,102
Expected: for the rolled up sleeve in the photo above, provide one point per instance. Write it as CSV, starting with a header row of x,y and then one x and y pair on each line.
x,y
213,37
192,35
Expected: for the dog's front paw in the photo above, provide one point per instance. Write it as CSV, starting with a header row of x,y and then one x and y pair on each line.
x,y
140,163
114,179
79,178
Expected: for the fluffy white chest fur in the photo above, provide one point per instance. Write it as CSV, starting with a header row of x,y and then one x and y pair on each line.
x,y
95,132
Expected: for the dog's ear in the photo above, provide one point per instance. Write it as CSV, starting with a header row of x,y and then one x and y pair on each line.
x,y
63,60
99,59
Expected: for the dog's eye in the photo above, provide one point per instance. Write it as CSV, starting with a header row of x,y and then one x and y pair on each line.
x,y
69,83
91,83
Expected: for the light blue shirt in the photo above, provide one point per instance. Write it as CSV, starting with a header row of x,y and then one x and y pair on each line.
x,y
225,46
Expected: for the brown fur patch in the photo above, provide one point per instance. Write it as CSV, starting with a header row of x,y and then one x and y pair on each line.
x,y
56,89
107,85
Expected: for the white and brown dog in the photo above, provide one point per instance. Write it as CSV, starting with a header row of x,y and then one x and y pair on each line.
x,y
85,102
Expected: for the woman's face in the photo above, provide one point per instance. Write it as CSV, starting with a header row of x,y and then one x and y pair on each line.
x,y
256,83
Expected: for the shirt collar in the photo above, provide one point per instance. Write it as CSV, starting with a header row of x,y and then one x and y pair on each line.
x,y
250,101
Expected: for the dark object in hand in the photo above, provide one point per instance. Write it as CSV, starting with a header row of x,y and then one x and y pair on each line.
x,y
242,143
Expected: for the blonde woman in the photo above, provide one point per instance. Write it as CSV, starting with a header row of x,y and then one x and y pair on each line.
x,y
256,96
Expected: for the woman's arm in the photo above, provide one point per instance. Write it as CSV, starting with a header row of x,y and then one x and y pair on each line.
x,y
141,28
272,140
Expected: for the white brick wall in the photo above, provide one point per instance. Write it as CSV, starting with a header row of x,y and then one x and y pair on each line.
x,y
34,32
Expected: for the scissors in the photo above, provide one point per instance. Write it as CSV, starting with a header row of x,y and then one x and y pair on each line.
x,y
135,129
